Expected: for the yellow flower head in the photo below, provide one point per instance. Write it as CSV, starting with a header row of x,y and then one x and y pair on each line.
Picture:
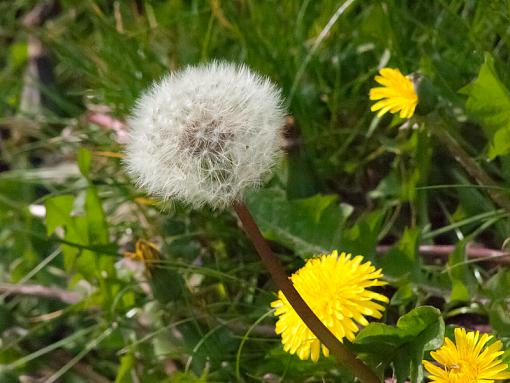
x,y
397,94
336,289
146,252
467,360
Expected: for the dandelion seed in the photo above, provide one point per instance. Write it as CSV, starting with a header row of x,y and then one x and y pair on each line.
x,y
336,287
469,360
397,94
205,134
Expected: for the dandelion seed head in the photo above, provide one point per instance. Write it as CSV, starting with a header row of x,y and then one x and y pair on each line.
x,y
205,134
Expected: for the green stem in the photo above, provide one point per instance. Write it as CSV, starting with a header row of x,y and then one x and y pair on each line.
x,y
273,265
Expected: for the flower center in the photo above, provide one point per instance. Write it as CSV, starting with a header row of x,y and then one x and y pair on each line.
x,y
207,138
204,137
462,372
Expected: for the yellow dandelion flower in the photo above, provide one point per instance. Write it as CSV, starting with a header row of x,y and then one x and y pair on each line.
x,y
467,360
146,252
336,289
397,94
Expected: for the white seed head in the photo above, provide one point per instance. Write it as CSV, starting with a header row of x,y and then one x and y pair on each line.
x,y
205,134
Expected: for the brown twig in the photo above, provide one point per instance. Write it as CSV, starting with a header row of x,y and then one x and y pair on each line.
x,y
40,291
273,265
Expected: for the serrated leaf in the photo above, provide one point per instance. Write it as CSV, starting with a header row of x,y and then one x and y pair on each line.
x,y
58,212
307,226
489,103
420,330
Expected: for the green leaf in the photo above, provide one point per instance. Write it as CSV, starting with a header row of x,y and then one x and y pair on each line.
x,y
86,264
388,187
69,256
167,285
6,318
75,232
462,278
402,259
402,363
96,222
403,295
499,319
8,377
126,364
84,159
500,144
489,103
376,24
182,377
301,180
498,287
58,212
362,237
85,229
307,226
473,201
18,54
420,330
498,290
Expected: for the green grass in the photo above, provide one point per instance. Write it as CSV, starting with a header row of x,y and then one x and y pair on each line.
x,y
353,182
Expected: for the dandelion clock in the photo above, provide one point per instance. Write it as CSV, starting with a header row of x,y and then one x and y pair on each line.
x,y
205,134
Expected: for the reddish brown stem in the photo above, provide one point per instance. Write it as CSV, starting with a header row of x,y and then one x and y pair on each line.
x,y
39,291
273,265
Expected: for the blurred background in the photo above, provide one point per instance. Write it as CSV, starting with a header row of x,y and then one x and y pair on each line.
x,y
101,283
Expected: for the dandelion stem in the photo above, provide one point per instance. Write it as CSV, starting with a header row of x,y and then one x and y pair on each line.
x,y
273,265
